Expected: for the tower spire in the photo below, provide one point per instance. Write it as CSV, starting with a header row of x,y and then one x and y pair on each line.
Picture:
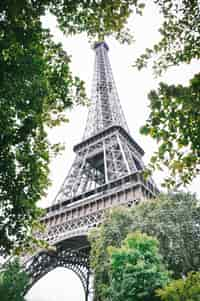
x,y
105,109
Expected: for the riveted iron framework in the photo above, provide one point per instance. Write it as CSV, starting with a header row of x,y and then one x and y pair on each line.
x,y
46,261
105,109
107,151
106,172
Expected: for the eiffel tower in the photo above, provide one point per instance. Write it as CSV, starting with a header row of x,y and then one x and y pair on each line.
x,y
106,172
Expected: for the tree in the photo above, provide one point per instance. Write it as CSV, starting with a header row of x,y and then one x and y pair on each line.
x,y
174,219
36,87
182,289
136,269
113,230
13,282
174,110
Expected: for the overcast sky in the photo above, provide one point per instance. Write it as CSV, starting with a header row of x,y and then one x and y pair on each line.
x,y
133,87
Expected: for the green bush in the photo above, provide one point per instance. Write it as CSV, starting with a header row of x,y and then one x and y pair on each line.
x,y
187,289
136,269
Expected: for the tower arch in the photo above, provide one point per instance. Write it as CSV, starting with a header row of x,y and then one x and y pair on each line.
x,y
59,284
46,261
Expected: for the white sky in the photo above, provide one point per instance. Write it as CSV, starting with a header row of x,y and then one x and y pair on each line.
x,y
133,87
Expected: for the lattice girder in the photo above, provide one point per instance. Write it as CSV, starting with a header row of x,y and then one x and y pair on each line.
x,y
107,151
45,261
105,109
77,227
109,156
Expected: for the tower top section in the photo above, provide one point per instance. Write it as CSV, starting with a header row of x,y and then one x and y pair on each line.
x,y
98,44
105,109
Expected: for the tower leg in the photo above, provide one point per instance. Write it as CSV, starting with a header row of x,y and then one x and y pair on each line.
x,y
87,291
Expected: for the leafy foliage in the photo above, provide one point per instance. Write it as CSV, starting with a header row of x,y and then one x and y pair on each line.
x,y
36,87
136,269
111,233
97,18
13,282
180,35
174,110
182,289
174,219
174,122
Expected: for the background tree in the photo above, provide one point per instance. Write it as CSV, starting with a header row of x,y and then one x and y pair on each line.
x,y
36,86
13,282
174,110
173,219
136,269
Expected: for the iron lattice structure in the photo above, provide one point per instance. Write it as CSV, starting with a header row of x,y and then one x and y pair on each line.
x,y
107,152
106,172
105,109
46,261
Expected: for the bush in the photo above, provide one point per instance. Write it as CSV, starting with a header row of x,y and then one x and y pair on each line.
x,y
136,269
187,289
